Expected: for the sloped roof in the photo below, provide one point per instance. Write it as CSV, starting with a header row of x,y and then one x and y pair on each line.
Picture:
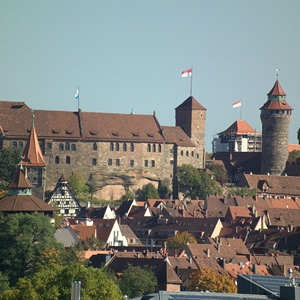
x,y
20,180
191,103
293,147
276,105
176,135
239,127
32,154
277,90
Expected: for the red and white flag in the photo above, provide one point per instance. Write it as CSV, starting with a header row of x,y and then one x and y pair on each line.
x,y
186,73
237,104
245,265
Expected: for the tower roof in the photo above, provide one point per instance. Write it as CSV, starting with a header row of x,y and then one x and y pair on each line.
x,y
239,127
191,103
62,178
20,180
277,90
32,155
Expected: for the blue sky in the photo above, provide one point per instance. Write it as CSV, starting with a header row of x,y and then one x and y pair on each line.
x,y
128,55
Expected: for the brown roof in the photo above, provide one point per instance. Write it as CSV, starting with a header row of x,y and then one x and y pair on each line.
x,y
276,105
238,211
20,180
191,103
239,127
277,90
176,135
32,154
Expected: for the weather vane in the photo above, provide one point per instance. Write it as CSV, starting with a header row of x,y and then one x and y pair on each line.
x,y
32,117
277,72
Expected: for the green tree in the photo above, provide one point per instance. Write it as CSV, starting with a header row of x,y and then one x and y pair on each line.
x,y
295,153
164,189
137,281
92,188
196,184
23,237
219,172
180,240
245,191
78,185
209,280
147,192
55,282
9,159
127,197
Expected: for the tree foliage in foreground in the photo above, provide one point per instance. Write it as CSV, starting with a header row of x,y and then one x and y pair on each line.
x,y
196,184
137,281
55,283
245,191
78,185
23,237
209,280
180,240
147,192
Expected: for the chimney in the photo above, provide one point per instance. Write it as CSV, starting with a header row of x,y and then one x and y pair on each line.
x,y
255,269
218,247
208,252
223,261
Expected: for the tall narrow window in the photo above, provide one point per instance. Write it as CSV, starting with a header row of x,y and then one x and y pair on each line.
x,y
159,147
67,146
111,147
131,147
95,146
146,163
117,147
149,148
124,147
153,163
61,147
57,159
68,160
117,162
131,163
153,148
94,161
110,162
73,147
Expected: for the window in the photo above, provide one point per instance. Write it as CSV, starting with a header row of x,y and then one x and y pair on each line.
x,y
66,211
110,162
49,146
187,153
124,147
57,159
67,146
181,152
73,147
153,148
117,162
68,160
146,163
117,147
149,148
171,162
192,153
159,148
21,144
61,147
95,146
67,202
14,144
111,147
94,161
153,163
131,147
131,163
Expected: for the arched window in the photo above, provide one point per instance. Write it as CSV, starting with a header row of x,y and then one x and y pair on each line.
x,y
111,147
61,147
73,147
67,146
124,147
153,148
131,147
68,160
95,146
149,148
187,153
159,147
192,153
117,147
57,159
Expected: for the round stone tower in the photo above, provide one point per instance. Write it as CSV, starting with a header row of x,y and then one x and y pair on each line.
x,y
275,116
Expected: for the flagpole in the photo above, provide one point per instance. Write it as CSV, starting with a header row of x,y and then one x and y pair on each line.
x,y
78,99
191,83
241,111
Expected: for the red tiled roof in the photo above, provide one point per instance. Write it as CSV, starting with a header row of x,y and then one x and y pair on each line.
x,y
239,127
277,90
32,154
175,134
276,105
293,147
20,180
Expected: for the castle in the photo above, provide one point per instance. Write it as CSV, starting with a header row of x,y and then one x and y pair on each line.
x,y
118,152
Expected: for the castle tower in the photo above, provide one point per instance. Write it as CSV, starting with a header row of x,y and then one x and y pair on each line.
x,y
33,160
275,116
191,116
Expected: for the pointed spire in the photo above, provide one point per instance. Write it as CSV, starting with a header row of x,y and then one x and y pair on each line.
x,y
20,181
32,155
277,90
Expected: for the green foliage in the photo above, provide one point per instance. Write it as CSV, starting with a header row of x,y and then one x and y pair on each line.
x,y
147,192
56,283
9,159
196,184
91,243
209,280
23,237
127,197
180,240
164,189
219,172
245,191
295,153
4,282
78,185
137,281
92,189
